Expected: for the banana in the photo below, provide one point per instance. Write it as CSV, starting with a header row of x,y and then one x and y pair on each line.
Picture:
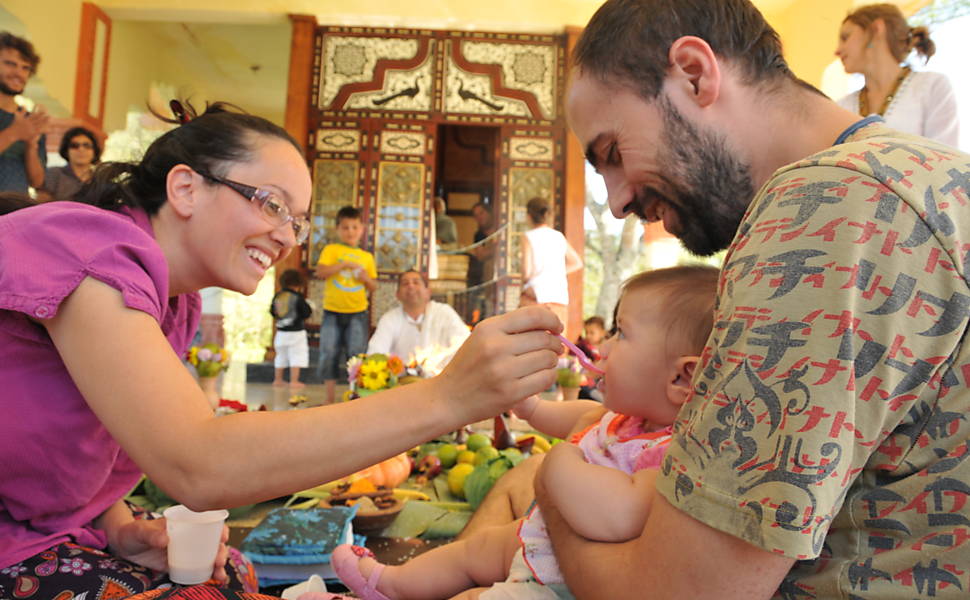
x,y
404,494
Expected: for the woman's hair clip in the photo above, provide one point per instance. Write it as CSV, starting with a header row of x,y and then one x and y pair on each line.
x,y
179,111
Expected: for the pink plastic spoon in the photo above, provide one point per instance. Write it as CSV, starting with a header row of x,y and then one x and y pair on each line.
x,y
583,359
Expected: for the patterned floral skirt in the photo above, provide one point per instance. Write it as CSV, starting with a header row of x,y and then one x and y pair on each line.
x,y
71,572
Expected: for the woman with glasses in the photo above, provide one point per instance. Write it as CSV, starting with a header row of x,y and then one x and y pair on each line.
x,y
80,148
98,303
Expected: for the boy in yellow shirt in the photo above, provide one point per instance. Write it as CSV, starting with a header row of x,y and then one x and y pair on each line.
x,y
350,274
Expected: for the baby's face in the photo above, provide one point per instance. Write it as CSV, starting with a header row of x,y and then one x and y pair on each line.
x,y
638,369
594,334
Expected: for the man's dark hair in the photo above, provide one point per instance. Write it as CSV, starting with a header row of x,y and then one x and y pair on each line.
x,y
424,277
627,41
72,133
348,212
25,48
484,205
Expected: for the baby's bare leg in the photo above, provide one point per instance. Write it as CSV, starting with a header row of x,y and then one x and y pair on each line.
x,y
480,560
508,500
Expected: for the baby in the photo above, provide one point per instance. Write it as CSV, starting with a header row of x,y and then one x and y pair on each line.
x,y
602,481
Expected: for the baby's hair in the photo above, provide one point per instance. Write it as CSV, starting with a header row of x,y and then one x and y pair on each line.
x,y
291,278
595,320
689,293
348,212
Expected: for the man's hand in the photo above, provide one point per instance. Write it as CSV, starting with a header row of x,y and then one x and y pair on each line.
x,y
28,127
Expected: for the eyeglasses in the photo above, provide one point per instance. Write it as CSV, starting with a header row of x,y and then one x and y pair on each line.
x,y
274,210
76,145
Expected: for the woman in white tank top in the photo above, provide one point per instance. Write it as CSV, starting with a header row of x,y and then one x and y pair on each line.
x,y
546,260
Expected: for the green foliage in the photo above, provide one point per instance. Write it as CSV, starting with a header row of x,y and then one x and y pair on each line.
x,y
481,480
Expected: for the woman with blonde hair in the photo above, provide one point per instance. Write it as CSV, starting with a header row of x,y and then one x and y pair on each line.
x,y
875,40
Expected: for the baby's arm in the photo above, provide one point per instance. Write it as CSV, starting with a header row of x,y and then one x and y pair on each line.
x,y
600,503
557,419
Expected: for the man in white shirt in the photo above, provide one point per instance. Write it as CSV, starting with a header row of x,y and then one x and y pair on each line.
x,y
418,328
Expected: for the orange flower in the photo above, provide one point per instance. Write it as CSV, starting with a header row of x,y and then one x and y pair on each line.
x,y
395,365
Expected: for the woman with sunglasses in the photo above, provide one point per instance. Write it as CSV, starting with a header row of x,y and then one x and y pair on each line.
x,y
98,302
80,148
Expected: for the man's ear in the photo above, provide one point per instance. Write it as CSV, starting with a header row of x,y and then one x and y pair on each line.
x,y
679,381
694,70
182,185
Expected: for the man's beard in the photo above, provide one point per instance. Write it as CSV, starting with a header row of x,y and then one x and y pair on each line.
x,y
710,188
9,91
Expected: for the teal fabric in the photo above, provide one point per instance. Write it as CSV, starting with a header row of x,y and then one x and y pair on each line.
x,y
298,536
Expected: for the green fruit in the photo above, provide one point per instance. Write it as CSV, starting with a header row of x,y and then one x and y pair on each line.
x,y
483,455
448,454
456,478
477,441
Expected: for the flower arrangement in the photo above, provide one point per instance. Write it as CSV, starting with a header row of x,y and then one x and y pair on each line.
x,y
569,373
208,359
370,373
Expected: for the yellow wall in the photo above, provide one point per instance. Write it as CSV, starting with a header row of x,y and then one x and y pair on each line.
x,y
808,29
52,26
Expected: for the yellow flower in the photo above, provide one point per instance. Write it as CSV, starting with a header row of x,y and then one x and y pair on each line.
x,y
373,374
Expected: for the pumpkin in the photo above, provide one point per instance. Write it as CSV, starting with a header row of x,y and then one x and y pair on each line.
x,y
389,473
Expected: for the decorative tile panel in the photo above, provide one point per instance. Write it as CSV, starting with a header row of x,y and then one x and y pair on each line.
x,y
334,186
349,60
399,214
338,140
383,299
524,185
528,68
471,93
403,142
314,294
531,148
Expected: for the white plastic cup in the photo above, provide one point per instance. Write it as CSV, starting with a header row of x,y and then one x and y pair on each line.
x,y
193,542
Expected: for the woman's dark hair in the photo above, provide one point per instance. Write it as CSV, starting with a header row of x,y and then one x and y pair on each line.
x,y
11,201
72,133
899,35
538,210
627,42
207,142
291,278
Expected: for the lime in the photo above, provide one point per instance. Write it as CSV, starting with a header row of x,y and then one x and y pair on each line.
x,y
466,457
477,441
483,455
448,454
456,478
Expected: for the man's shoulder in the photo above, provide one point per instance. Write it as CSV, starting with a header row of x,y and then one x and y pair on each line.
x,y
893,158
